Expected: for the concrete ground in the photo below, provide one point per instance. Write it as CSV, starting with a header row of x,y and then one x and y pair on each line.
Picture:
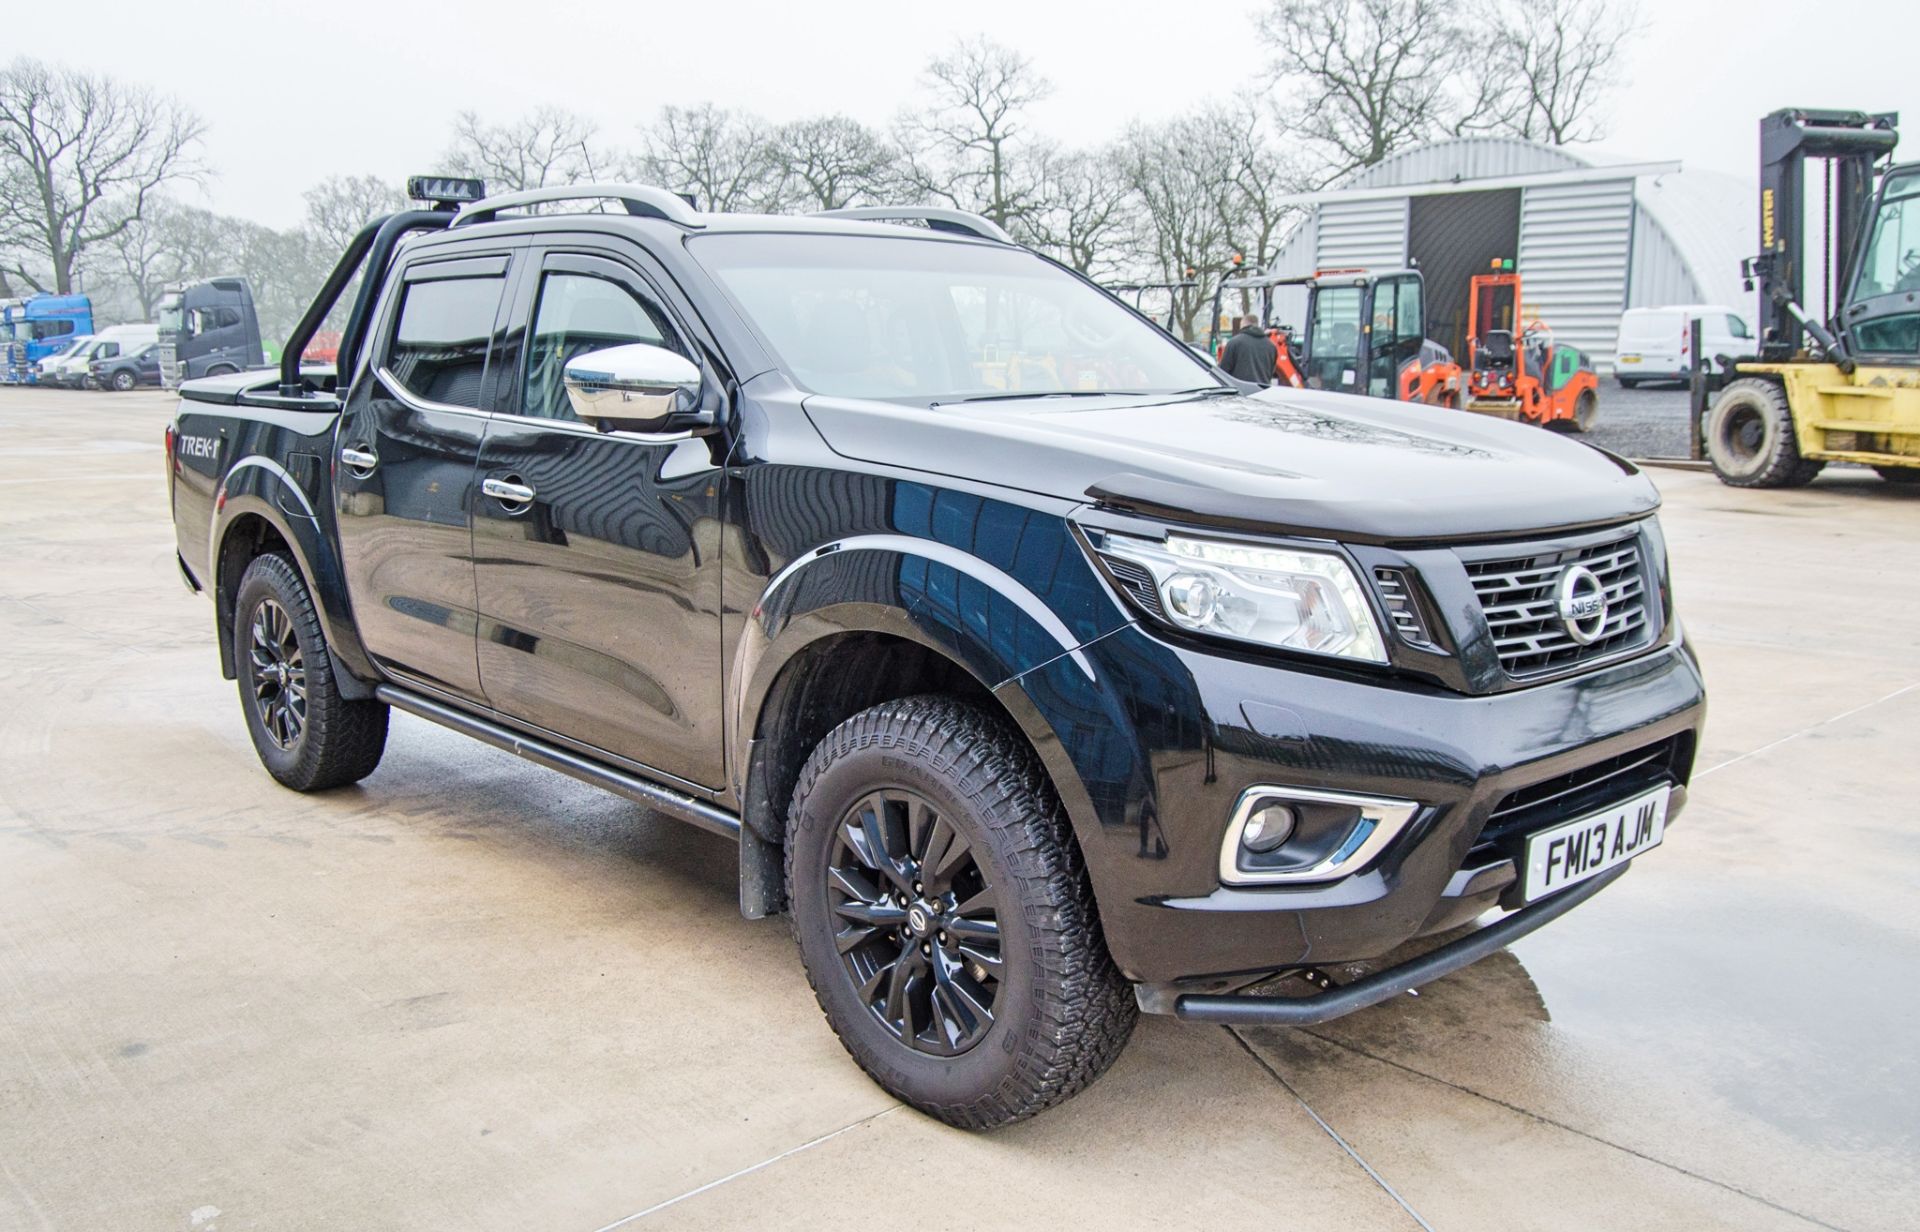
x,y
471,993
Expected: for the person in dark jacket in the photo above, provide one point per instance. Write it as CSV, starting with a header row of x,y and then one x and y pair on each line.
x,y
1251,355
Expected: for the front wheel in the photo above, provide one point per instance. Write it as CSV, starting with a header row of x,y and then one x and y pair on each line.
x,y
308,735
945,919
1750,437
123,380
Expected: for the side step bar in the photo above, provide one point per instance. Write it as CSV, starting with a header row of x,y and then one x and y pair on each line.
x,y
681,807
1383,985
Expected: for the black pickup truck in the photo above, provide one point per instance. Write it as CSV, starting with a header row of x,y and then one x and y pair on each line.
x,y
1042,673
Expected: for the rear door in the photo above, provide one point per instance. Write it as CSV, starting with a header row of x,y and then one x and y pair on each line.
x,y
596,553
404,458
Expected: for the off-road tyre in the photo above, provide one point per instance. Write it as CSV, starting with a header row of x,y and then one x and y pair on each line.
x,y
1906,476
340,740
1750,439
1062,1011
124,381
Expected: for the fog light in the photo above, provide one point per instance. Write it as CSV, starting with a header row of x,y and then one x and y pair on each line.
x,y
1270,826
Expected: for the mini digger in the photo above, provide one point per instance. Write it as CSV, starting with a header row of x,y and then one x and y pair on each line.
x,y
1843,385
1366,334
1515,367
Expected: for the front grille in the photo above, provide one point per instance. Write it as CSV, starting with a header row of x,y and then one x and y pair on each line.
x,y
1518,600
1591,787
1396,592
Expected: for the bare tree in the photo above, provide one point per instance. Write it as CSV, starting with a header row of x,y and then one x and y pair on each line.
x,y
1175,170
724,159
80,157
1086,209
549,146
1363,78
828,162
338,206
969,147
141,260
1557,60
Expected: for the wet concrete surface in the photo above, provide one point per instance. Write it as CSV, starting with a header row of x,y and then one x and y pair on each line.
x,y
471,993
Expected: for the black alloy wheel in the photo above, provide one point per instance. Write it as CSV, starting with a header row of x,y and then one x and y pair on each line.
x,y
921,930
279,674
309,734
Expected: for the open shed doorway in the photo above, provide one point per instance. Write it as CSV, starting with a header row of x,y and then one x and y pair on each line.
x,y
1451,237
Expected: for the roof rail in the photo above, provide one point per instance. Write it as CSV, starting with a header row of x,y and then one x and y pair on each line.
x,y
641,200
937,218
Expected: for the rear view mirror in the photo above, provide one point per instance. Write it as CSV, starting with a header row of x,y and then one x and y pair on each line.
x,y
635,388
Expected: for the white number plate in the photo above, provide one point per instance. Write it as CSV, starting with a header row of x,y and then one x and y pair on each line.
x,y
1576,850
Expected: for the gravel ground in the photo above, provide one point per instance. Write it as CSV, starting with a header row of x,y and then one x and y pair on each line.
x,y
1648,422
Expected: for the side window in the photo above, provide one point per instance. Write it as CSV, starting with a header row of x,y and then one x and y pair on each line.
x,y
226,318
1737,327
439,349
51,329
576,313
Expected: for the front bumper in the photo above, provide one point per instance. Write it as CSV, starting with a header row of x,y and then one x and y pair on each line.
x,y
1189,731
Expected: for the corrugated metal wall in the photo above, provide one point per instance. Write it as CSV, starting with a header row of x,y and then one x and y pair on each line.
x,y
1369,234
1575,245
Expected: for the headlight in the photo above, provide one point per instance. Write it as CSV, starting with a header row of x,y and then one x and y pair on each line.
x,y
1287,597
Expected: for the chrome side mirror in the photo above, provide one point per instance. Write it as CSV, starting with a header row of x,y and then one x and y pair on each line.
x,y
634,388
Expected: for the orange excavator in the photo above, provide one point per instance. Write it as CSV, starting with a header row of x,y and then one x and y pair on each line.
x,y
1366,334
1516,369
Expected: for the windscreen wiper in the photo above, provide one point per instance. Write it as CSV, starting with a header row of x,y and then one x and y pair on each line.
x,y
1085,393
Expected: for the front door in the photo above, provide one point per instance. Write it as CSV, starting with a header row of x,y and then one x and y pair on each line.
x,y
596,553
404,460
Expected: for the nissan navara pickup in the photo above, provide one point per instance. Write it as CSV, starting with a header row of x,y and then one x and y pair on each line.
x,y
1043,673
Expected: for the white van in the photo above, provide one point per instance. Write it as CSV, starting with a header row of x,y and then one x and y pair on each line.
x,y
1656,344
72,368
43,367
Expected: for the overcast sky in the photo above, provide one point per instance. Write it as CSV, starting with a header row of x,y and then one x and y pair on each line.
x,y
294,92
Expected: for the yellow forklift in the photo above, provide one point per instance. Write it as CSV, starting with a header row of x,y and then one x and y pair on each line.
x,y
1846,388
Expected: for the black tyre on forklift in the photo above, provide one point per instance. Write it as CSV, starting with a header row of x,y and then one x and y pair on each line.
x,y
1907,476
1750,438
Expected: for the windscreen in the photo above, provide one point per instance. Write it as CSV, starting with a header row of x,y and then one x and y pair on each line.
x,y
170,318
920,321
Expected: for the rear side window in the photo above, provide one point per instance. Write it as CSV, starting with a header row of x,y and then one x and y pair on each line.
x,y
1737,327
439,350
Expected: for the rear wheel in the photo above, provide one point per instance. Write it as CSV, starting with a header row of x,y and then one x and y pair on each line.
x,y
1627,382
1750,438
1586,408
308,735
1907,475
945,920
221,370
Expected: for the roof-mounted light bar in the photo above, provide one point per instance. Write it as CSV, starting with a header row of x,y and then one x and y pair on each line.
x,y
641,201
445,192
937,218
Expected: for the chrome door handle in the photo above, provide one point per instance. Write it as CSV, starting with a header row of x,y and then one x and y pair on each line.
x,y
507,492
360,461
